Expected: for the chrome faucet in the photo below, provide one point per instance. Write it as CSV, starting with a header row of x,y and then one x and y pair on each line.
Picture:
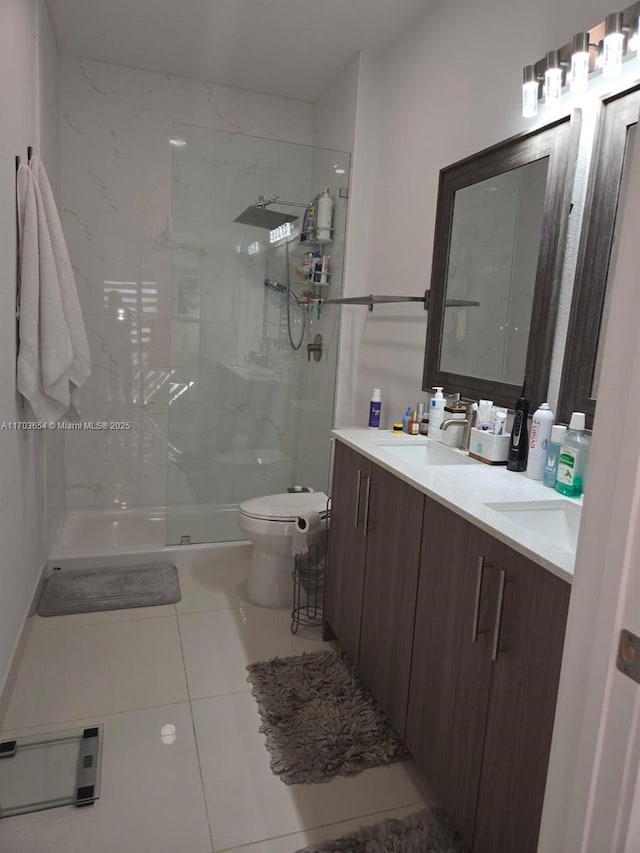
x,y
467,422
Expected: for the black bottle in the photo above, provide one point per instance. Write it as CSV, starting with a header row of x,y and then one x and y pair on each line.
x,y
519,442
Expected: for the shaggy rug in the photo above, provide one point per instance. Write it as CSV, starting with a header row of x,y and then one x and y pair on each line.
x,y
428,831
320,719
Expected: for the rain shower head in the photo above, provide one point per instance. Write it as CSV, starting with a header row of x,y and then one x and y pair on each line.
x,y
260,217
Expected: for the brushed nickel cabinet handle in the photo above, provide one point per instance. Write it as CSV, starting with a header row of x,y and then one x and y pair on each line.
x,y
366,506
356,518
496,628
476,606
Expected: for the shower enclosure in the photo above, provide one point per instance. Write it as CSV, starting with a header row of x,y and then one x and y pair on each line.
x,y
249,405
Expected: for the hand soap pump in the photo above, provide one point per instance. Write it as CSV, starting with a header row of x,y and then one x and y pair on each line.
x,y
436,412
519,442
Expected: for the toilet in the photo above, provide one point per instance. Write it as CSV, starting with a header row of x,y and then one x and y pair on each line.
x,y
269,523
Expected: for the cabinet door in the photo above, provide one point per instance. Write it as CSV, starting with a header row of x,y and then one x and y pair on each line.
x,y
522,700
347,544
390,586
451,666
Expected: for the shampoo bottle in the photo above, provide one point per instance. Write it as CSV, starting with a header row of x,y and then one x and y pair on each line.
x,y
436,412
518,443
553,454
541,424
572,462
325,216
374,409
406,418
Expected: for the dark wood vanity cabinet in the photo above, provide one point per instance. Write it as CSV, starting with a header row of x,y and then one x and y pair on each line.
x,y
487,650
374,554
460,639
347,547
389,596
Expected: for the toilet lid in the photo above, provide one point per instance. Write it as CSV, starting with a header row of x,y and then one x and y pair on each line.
x,y
286,507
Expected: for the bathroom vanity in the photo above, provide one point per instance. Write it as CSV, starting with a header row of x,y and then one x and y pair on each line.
x,y
448,585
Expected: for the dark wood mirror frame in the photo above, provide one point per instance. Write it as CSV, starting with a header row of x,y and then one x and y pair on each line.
x,y
559,142
617,115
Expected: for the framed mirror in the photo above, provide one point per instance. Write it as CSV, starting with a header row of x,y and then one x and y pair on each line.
x,y
596,256
497,262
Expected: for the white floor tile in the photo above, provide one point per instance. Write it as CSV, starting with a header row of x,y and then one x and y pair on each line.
x,y
248,803
151,796
219,644
74,620
97,669
298,840
215,585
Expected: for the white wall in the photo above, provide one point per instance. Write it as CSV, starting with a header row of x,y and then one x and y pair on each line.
x,y
22,537
448,88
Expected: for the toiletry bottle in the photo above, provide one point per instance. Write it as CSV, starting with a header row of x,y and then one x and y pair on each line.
x,y
436,412
406,418
541,424
325,216
414,423
374,409
424,423
518,443
553,454
572,463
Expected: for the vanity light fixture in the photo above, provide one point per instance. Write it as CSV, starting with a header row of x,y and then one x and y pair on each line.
x,y
613,48
579,74
553,78
529,91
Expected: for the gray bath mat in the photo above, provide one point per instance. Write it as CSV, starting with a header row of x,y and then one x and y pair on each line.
x,y
89,590
428,831
320,719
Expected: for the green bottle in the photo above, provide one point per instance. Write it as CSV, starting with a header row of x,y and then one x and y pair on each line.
x,y
572,462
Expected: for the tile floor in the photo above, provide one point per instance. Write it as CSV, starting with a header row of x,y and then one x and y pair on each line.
x,y
211,789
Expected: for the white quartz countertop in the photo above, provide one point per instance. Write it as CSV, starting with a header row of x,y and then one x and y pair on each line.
x,y
466,489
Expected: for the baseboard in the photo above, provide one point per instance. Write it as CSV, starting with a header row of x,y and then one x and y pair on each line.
x,y
9,682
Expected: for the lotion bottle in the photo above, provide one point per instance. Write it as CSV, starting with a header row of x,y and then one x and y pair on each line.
x,y
436,412
541,425
553,454
375,407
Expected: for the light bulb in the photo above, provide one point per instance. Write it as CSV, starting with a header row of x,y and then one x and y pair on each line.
x,y
579,75
529,92
613,48
553,79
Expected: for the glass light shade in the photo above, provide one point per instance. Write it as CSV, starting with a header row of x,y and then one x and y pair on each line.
x,y
530,99
612,54
552,85
579,75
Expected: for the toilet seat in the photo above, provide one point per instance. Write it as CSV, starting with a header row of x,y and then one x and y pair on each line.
x,y
284,507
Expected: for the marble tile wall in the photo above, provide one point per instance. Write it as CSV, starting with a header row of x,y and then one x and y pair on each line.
x,y
139,264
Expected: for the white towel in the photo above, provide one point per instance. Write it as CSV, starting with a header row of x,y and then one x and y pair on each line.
x,y
80,367
45,352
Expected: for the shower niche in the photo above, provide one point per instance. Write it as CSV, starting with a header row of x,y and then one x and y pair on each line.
x,y
249,411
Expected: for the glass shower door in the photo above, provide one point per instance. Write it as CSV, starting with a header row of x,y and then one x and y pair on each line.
x,y
249,409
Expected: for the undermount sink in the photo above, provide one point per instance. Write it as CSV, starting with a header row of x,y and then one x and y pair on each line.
x,y
557,521
427,454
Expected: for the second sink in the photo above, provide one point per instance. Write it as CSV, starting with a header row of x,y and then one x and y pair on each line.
x,y
558,521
